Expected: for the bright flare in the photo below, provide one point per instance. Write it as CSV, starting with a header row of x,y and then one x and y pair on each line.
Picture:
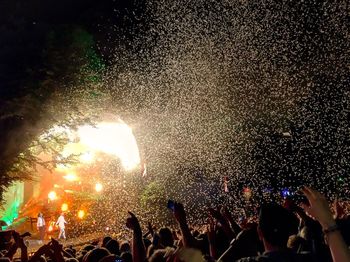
x,y
81,214
52,195
98,187
71,177
87,157
64,207
114,138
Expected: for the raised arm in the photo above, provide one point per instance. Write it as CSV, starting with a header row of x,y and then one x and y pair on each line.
x,y
20,243
180,216
319,209
138,247
234,226
224,222
211,228
57,250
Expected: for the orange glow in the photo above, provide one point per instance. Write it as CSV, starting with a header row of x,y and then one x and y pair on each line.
x,y
50,228
98,187
52,195
64,207
71,177
81,214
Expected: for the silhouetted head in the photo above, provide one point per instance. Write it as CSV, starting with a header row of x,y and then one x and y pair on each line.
x,y
105,240
96,254
276,224
113,247
166,237
125,247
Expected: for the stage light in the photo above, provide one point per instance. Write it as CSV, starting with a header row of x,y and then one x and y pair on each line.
x,y
52,195
81,214
50,228
285,193
98,187
71,177
115,138
64,207
87,157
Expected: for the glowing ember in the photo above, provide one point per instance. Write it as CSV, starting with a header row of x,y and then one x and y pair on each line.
x,y
98,187
52,195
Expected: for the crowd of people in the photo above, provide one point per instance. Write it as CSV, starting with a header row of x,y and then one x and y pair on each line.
x,y
307,231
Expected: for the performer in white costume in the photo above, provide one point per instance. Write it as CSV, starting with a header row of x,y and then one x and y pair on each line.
x,y
61,223
40,224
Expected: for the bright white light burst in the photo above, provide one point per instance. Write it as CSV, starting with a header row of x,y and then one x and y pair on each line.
x,y
114,138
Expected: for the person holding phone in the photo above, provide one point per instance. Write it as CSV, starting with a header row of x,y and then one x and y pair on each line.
x,y
40,225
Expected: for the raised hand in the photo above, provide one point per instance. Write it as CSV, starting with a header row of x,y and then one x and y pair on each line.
x,y
211,233
211,228
150,228
57,250
339,210
56,246
179,212
223,220
138,248
318,207
132,222
220,215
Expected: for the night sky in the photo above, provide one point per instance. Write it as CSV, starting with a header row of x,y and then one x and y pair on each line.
x,y
25,25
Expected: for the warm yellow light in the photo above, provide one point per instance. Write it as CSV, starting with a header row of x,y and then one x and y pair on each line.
x,y
81,214
71,177
114,138
52,195
50,228
98,187
64,207
87,157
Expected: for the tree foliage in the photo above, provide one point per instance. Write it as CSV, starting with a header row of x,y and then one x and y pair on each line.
x,y
70,69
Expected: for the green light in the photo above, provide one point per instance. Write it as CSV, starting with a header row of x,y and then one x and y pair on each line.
x,y
13,198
